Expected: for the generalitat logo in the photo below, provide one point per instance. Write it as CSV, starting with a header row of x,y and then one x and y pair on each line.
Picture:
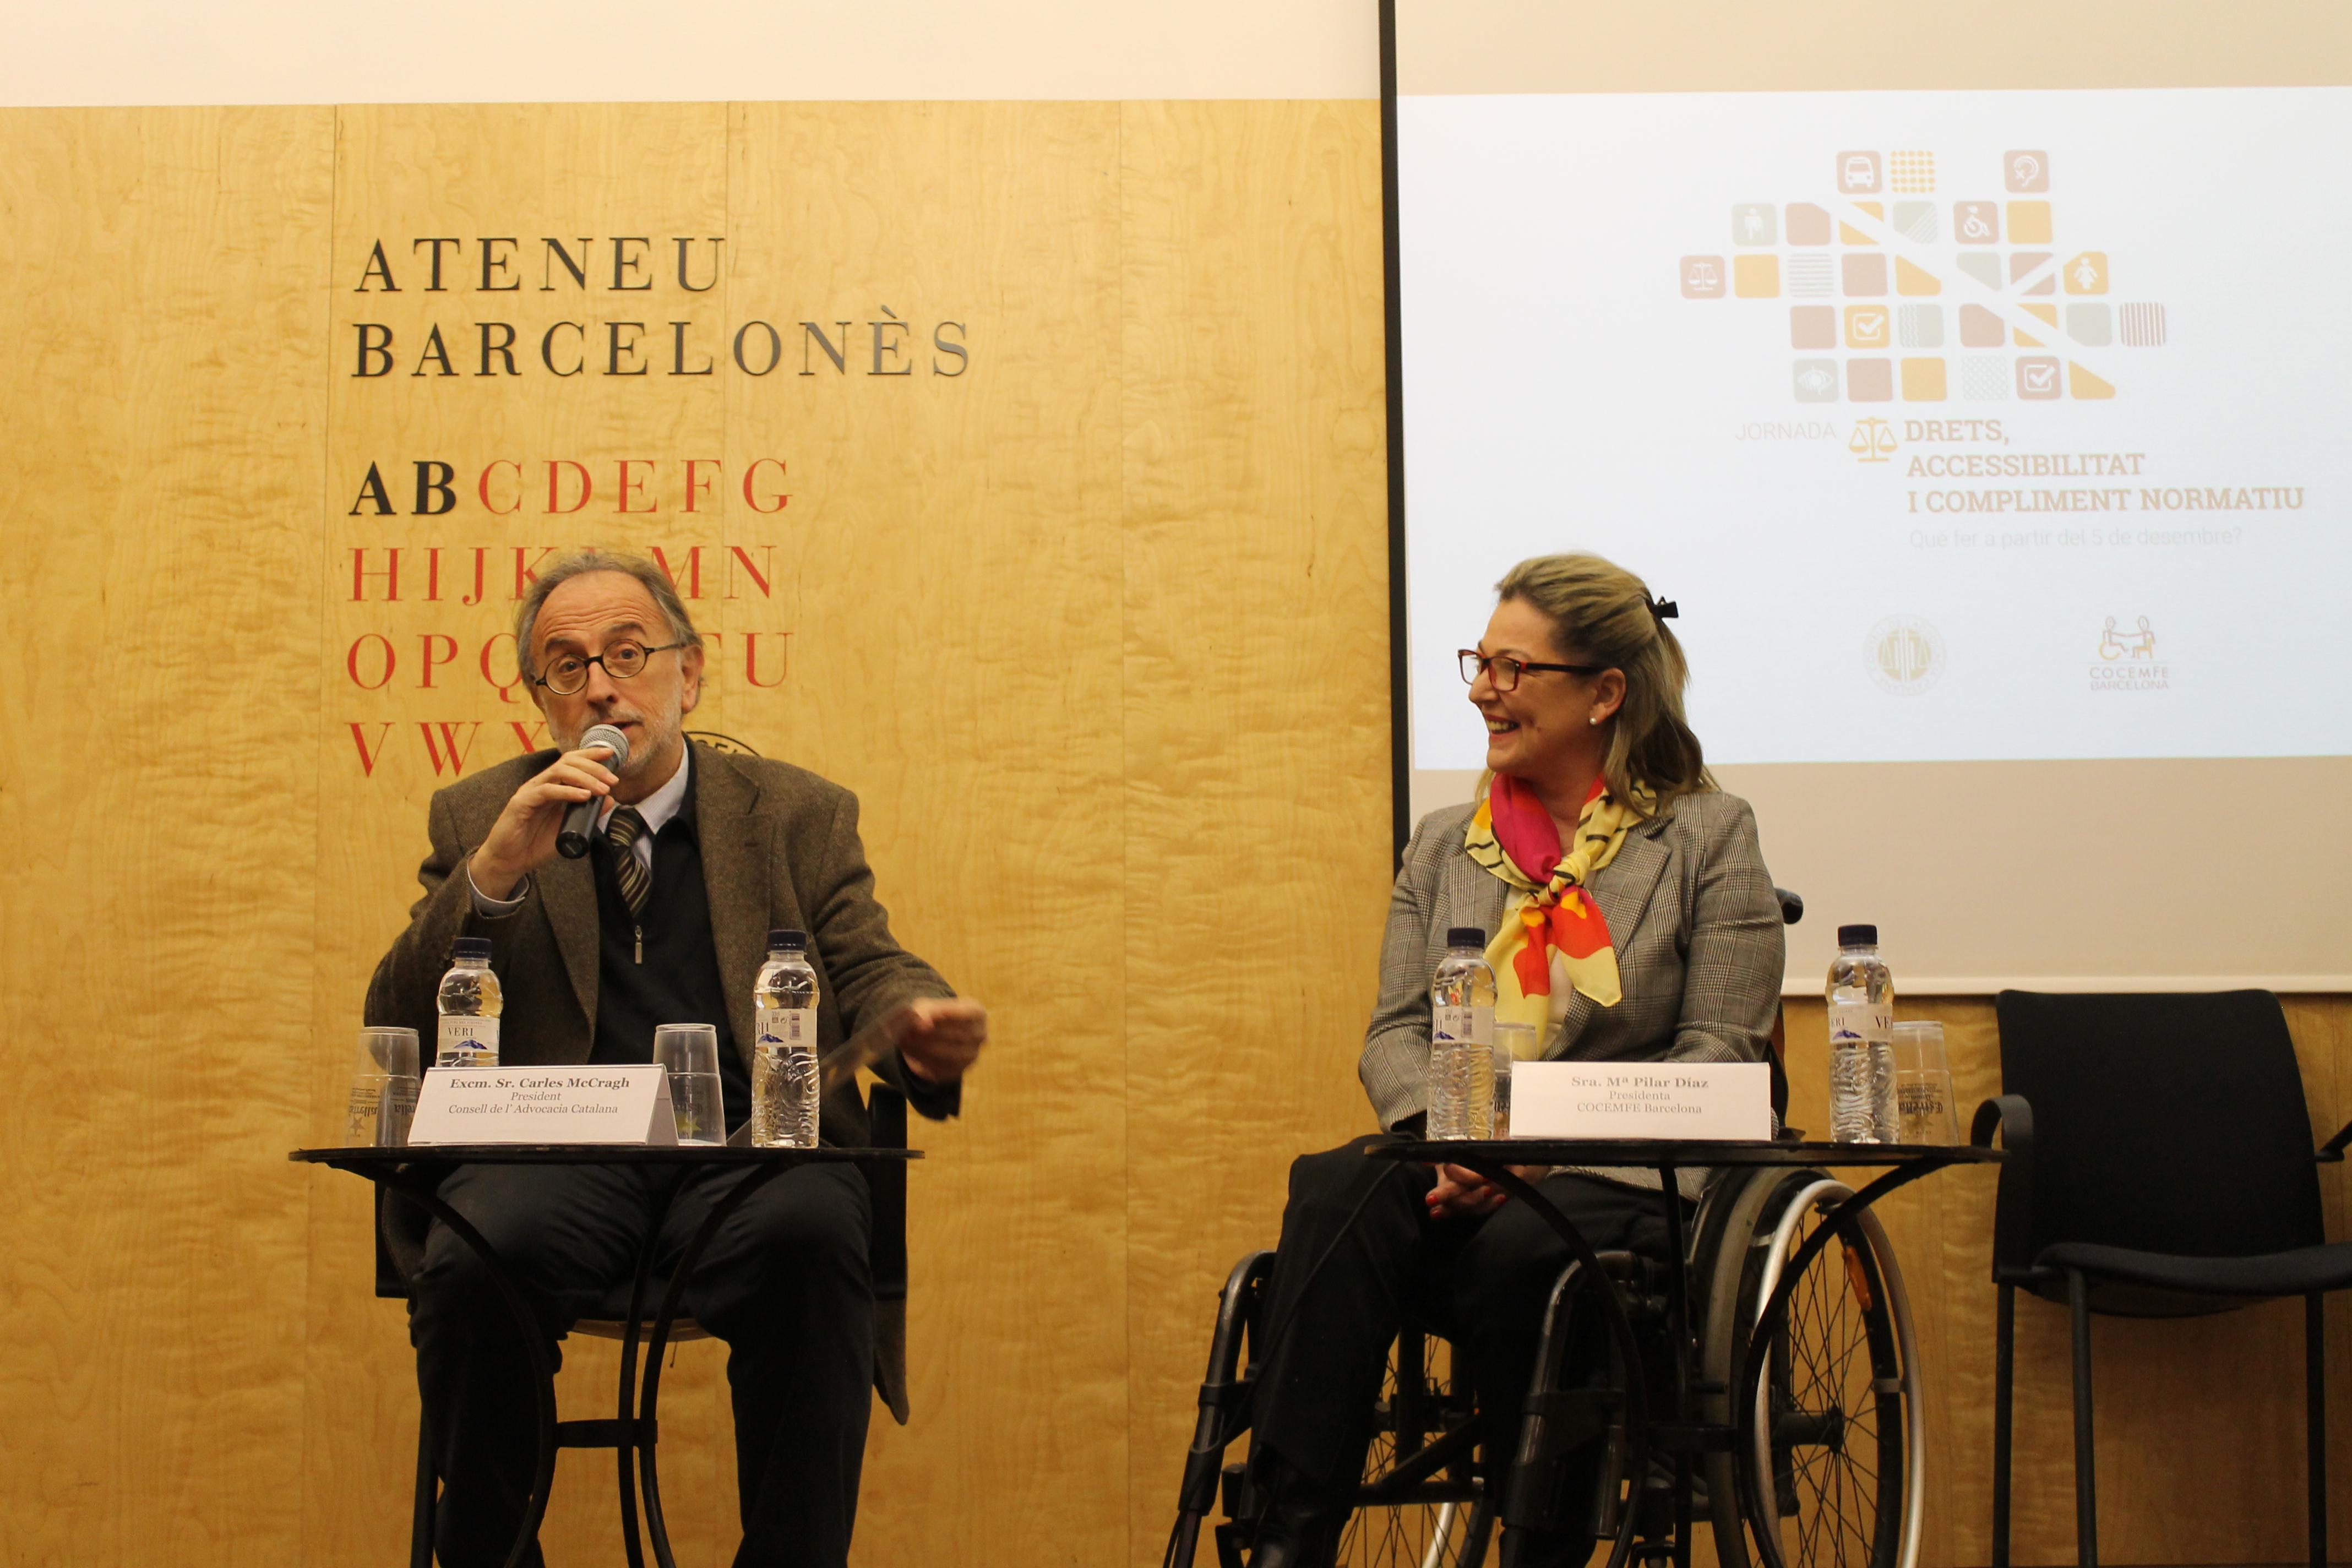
x,y
2128,660
1905,655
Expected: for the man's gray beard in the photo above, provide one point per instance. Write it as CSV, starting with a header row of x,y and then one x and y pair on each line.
x,y
658,736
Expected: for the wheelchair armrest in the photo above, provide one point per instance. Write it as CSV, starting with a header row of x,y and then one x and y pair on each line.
x,y
2012,1118
2332,1152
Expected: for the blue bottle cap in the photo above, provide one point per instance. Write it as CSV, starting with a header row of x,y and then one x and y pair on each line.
x,y
471,951
1857,936
785,939
1466,936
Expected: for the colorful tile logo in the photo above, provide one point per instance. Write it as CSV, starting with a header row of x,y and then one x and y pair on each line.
x,y
1912,172
1984,378
1865,327
1916,221
2143,326
1995,267
2087,273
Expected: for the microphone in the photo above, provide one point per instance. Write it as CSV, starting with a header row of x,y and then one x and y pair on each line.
x,y
571,843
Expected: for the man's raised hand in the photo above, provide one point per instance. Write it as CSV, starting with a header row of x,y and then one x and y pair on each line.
x,y
938,1036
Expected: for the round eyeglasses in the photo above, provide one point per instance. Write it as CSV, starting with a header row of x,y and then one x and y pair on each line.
x,y
567,674
1502,671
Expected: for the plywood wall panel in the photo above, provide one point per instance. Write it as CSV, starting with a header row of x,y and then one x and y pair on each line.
x,y
1256,707
948,566
158,580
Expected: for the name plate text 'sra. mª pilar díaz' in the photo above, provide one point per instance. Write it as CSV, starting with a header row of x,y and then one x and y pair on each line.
x,y
1713,1100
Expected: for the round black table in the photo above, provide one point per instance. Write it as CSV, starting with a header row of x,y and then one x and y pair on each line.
x,y
416,1172
1681,1437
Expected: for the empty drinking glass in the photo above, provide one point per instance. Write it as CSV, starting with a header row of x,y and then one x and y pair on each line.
x,y
690,1052
1922,1085
384,1089
1512,1043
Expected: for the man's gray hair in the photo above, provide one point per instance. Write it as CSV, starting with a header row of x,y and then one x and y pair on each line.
x,y
579,564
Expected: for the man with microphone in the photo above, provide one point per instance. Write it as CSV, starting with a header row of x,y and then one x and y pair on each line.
x,y
691,856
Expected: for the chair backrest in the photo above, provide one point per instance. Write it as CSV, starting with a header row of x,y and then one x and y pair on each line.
x,y
2162,1123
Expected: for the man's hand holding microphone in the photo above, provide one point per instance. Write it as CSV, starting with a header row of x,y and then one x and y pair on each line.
x,y
552,806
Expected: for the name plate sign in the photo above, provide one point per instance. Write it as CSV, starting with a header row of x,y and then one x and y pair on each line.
x,y
1717,1101
545,1105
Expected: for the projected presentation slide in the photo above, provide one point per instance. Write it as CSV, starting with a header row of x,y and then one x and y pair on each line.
x,y
1960,425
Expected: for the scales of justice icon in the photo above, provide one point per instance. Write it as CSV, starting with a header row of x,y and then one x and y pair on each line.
x,y
1872,440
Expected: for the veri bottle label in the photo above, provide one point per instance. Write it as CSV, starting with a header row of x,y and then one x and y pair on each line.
x,y
1860,1023
467,1042
1461,1025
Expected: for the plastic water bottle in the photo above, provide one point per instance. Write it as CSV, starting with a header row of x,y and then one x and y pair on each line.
x,y
1861,1041
783,1056
469,1005
1461,1038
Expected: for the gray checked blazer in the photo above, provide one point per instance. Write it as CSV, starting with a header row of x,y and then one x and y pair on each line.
x,y
1691,911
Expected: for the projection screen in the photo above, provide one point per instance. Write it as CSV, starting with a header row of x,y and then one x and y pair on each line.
x,y
1970,378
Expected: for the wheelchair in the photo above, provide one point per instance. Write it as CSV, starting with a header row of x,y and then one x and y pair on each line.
x,y
1822,1467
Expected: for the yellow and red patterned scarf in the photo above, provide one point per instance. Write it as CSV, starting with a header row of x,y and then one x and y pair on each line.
x,y
1554,939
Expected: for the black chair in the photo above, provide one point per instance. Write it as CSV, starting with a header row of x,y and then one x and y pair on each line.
x,y
2160,1170
400,1231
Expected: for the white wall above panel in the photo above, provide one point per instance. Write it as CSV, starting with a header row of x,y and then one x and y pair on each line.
x,y
140,52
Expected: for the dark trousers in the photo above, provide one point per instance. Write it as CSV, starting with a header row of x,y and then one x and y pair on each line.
x,y
784,1283
1360,1255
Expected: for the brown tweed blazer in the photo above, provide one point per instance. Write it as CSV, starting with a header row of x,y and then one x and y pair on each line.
x,y
1700,950
780,847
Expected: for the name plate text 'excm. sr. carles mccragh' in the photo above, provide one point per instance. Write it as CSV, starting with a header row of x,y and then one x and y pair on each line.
x,y
545,1105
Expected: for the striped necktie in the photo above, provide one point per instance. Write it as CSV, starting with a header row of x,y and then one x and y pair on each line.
x,y
622,834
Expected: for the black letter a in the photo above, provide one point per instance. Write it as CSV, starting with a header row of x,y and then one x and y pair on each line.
x,y
372,490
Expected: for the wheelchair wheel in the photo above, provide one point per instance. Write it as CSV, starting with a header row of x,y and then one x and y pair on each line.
x,y
1422,1504
1825,1470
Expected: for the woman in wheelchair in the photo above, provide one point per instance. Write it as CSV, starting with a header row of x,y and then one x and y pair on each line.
x,y
1631,918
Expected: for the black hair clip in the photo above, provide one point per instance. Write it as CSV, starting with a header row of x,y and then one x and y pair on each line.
x,y
1664,610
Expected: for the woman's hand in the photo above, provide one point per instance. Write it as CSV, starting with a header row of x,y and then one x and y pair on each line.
x,y
1464,1192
